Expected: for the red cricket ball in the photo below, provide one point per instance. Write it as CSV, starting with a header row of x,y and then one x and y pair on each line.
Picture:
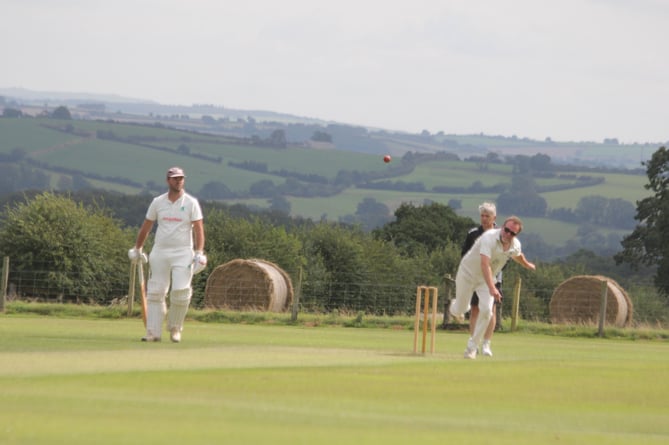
x,y
387,159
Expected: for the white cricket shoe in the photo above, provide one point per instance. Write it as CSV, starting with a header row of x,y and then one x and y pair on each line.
x,y
175,335
485,349
470,352
150,337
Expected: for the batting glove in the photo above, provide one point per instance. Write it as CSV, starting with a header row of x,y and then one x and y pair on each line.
x,y
134,254
199,262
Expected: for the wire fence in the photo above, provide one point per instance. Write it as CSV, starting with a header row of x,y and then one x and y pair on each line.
x,y
641,305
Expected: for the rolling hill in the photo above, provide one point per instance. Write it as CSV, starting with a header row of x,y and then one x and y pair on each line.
x,y
129,153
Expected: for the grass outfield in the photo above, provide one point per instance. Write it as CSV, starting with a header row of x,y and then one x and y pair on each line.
x,y
79,381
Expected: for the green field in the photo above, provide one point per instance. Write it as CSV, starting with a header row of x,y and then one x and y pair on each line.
x,y
78,381
138,157
551,231
617,186
126,159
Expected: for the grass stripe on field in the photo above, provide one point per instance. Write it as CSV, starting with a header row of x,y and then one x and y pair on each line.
x,y
76,381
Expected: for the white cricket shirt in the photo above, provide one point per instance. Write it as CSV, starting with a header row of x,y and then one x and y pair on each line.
x,y
175,220
490,245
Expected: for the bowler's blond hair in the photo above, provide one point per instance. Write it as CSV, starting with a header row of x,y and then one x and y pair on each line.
x,y
515,219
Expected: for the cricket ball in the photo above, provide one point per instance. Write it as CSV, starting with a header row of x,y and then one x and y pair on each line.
x,y
387,159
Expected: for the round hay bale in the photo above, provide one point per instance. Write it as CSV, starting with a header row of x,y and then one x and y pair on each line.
x,y
578,300
252,284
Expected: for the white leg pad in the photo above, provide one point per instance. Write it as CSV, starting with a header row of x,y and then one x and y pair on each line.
x,y
179,302
155,315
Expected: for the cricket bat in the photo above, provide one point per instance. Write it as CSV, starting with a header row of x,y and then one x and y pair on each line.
x,y
142,288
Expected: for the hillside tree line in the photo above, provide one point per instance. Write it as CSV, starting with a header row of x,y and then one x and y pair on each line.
x,y
79,251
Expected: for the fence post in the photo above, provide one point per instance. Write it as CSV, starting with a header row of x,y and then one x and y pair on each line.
x,y
516,304
448,292
296,296
5,283
602,307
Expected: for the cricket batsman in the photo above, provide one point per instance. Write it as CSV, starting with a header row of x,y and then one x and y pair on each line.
x,y
177,254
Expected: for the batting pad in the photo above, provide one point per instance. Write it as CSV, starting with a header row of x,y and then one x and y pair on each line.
x,y
155,315
179,302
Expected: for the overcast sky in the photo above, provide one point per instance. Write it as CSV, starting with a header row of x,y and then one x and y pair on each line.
x,y
571,70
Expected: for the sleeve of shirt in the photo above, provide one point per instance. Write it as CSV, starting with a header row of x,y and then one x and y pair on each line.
x,y
197,211
487,243
152,212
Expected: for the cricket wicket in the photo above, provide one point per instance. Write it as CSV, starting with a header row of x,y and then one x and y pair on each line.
x,y
425,293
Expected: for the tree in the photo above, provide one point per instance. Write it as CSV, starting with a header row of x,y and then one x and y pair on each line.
x,y
215,190
11,112
649,242
592,209
523,204
455,204
424,228
493,158
61,113
321,136
208,119
522,199
602,211
81,250
280,203
620,213
278,139
337,258
230,237
372,213
263,188
348,269
521,164
541,162
21,176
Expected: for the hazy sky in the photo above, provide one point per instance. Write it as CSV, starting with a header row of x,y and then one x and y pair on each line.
x,y
571,70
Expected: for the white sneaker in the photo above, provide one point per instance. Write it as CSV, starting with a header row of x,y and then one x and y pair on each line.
x,y
485,349
149,337
175,335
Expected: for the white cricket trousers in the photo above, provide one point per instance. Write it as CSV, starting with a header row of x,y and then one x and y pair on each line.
x,y
464,289
170,270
